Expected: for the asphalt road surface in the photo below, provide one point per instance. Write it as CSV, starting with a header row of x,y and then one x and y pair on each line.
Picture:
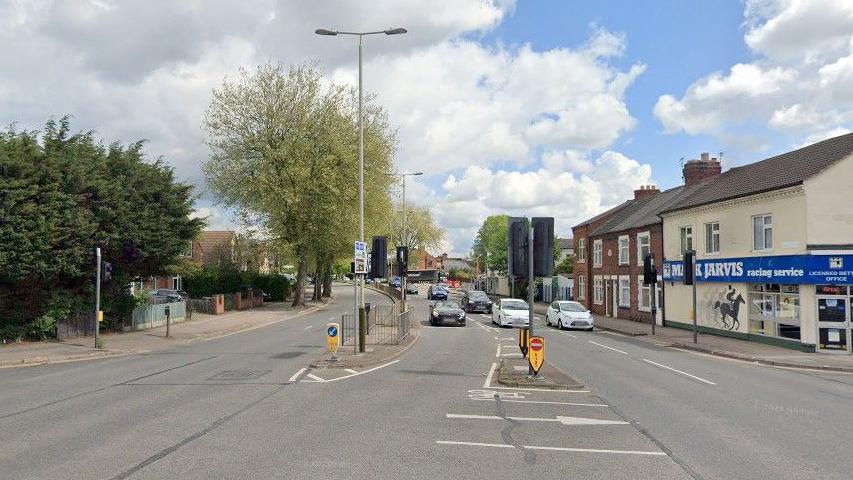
x,y
244,406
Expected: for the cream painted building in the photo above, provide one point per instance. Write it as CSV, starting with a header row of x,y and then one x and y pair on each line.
x,y
774,250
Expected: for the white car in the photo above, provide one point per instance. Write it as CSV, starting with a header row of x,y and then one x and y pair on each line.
x,y
566,314
511,312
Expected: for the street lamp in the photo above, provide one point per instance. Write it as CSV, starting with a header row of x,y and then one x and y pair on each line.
x,y
405,232
362,319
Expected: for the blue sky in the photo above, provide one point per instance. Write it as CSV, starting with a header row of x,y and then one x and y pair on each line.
x,y
525,107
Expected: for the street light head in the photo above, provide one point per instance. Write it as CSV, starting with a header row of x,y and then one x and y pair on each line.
x,y
323,31
395,31
418,173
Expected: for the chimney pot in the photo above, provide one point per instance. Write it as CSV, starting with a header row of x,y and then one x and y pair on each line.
x,y
645,191
696,171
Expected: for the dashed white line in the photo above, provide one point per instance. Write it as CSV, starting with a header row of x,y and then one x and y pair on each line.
x,y
510,354
571,404
679,371
609,348
557,449
498,351
309,326
568,421
297,374
489,376
315,378
569,334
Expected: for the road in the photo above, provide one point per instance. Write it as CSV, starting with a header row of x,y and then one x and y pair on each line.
x,y
645,412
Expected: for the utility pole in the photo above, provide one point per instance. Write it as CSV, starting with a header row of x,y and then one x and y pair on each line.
x,y
97,293
531,284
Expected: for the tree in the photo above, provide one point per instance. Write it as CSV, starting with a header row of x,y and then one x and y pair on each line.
x,y
284,154
490,244
566,266
63,194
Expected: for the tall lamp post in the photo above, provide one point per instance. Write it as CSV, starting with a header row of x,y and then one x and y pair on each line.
x,y
362,318
405,231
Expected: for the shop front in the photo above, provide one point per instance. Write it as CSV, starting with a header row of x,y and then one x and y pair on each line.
x,y
797,301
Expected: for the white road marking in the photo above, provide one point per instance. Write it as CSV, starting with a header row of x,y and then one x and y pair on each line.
x,y
557,449
542,402
315,377
679,371
536,389
297,374
498,351
610,348
309,326
510,354
505,338
363,371
569,334
489,376
568,421
350,370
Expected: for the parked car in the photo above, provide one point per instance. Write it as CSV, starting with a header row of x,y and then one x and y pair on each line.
x,y
566,314
511,312
412,288
167,295
436,292
476,301
446,311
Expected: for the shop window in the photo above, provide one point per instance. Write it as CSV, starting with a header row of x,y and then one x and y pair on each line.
x,y
774,310
762,232
624,292
712,237
643,247
686,234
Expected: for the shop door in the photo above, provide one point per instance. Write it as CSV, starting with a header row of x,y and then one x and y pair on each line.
x,y
833,324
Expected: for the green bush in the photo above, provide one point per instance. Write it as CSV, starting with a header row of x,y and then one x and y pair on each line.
x,y
10,332
213,280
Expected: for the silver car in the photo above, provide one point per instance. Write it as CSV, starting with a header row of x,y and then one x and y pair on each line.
x,y
511,312
567,314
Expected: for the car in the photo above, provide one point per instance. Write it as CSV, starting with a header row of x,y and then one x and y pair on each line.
x,y
446,311
511,312
167,295
566,314
412,288
436,292
476,301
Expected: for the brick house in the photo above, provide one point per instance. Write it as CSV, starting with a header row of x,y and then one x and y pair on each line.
x,y
582,269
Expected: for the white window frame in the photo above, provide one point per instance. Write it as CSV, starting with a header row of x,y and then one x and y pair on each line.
x,y
640,257
764,228
642,291
626,249
581,287
597,253
624,302
598,290
581,250
712,233
682,237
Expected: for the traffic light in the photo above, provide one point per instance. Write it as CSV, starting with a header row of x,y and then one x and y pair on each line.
x,y
402,260
543,246
379,258
650,271
106,271
688,266
516,252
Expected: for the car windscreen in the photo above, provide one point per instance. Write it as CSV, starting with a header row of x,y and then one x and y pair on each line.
x,y
514,305
475,295
453,305
572,307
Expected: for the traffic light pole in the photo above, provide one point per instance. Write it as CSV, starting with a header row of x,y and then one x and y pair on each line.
x,y
531,284
97,292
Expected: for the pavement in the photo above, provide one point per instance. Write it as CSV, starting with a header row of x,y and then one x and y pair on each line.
x,y
201,327
728,347
249,405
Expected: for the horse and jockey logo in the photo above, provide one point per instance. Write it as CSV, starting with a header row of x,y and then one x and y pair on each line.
x,y
730,309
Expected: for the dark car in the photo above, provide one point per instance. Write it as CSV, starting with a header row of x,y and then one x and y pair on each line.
x,y
436,292
446,311
476,301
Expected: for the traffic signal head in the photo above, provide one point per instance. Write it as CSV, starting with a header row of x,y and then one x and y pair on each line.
x,y
402,260
543,246
689,267
379,258
107,271
516,253
650,271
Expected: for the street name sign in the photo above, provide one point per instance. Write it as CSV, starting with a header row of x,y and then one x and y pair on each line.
x,y
536,354
360,257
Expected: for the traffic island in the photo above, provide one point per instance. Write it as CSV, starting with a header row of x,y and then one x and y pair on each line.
x,y
513,372
374,354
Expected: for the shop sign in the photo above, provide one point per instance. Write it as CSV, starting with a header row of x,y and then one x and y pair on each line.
x,y
784,269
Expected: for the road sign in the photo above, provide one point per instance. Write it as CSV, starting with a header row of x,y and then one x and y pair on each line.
x,y
333,337
537,354
523,340
360,257
100,315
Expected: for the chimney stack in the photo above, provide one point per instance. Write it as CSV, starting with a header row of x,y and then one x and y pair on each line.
x,y
645,191
696,171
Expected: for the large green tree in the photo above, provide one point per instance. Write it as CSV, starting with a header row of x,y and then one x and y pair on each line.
x,y
490,244
284,154
62,195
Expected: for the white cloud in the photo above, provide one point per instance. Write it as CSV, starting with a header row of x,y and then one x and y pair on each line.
x,y
800,83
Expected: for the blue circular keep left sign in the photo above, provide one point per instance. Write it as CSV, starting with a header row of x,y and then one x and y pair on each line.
x,y
332,331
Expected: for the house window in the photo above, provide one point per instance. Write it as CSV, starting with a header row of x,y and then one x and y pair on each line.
x,y
581,287
712,237
624,292
762,232
177,283
644,247
581,252
686,234
188,250
623,250
644,301
598,290
596,253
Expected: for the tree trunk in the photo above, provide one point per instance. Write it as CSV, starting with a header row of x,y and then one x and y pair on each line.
x,y
318,281
327,280
299,289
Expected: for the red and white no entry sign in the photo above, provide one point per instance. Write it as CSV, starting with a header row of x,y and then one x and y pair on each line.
x,y
537,343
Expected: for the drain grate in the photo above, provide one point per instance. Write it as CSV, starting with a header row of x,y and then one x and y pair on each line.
x,y
239,374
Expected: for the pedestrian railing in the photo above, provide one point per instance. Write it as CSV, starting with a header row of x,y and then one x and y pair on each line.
x,y
386,324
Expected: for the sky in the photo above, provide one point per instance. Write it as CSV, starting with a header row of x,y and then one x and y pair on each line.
x,y
530,107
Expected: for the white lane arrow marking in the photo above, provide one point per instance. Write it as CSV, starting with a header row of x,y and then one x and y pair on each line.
x,y
569,421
